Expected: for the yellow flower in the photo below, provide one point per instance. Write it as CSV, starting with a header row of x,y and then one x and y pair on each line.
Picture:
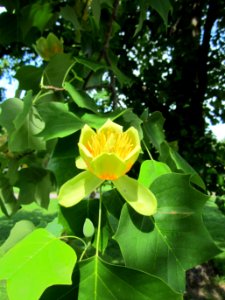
x,y
109,153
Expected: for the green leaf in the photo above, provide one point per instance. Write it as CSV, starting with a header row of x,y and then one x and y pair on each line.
x,y
22,122
137,195
122,78
29,78
8,202
35,15
55,228
93,65
75,189
150,170
80,98
63,158
176,240
59,121
143,14
17,233
163,7
96,10
70,14
214,220
49,260
96,121
173,159
100,280
153,129
57,70
35,184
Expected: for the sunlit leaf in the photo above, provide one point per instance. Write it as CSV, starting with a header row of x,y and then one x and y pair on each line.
x,y
150,170
17,233
49,261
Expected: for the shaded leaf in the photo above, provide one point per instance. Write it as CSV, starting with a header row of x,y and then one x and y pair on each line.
x,y
22,122
99,280
179,239
57,70
163,7
80,98
93,65
29,78
8,202
59,121
214,220
176,162
153,129
38,253
35,184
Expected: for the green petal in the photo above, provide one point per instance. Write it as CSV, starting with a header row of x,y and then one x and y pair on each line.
x,y
138,196
110,126
108,166
75,189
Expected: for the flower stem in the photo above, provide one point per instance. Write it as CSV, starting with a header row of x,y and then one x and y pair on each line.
x,y
99,222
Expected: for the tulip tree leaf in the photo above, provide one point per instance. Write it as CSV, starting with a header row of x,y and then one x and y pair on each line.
x,y
59,121
22,122
99,280
137,195
8,202
80,98
212,215
49,261
57,70
150,170
75,189
17,233
153,129
176,162
176,240
35,184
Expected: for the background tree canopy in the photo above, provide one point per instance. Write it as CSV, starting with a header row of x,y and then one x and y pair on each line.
x,y
165,56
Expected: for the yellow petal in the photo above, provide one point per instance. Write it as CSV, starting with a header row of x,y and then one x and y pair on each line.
x,y
108,166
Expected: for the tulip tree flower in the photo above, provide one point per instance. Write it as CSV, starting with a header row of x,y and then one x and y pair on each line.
x,y
108,154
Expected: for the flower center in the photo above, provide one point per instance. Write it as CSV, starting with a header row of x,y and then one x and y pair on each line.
x,y
110,142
